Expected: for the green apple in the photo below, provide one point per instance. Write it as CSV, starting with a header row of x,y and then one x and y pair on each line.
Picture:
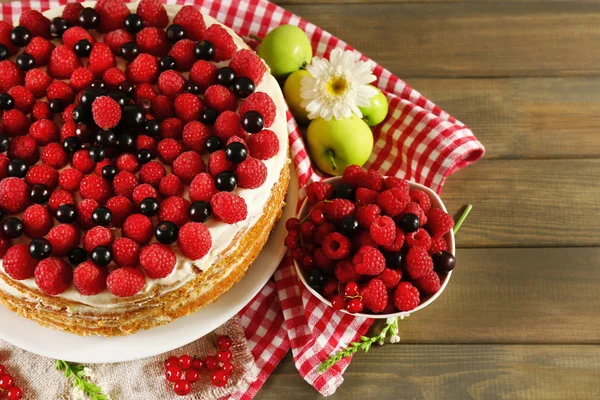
x,y
377,110
291,92
335,144
285,49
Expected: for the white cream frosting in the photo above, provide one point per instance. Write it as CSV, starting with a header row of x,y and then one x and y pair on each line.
x,y
222,234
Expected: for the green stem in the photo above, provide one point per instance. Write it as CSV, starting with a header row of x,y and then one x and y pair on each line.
x,y
462,218
258,39
75,371
330,154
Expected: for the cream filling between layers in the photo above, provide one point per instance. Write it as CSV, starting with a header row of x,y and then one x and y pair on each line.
x,y
222,234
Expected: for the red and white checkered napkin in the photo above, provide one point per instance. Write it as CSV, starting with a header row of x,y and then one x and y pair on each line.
x,y
418,141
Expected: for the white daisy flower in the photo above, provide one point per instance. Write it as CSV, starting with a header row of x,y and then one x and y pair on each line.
x,y
337,87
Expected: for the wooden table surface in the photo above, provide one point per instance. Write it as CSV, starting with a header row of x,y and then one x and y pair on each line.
x,y
521,316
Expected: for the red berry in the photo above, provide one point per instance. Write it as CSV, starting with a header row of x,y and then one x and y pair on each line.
x,y
368,261
185,361
247,63
261,102
251,173
336,246
374,295
194,240
89,279
53,276
126,252
158,260
351,289
172,361
219,378
224,354
307,228
354,306
173,373
153,13
125,282
18,263
153,41
229,207
406,297
192,375
36,22
197,364
112,14
225,47
220,98
439,222
106,112
63,62
291,242
138,227
6,382
190,18
224,342
144,69
183,53
338,302
292,224
211,363
227,367
14,393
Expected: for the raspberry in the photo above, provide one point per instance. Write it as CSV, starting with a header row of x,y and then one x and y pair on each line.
x,y
398,241
322,231
336,246
171,83
170,185
158,260
406,297
202,187
227,125
247,63
414,208
171,127
194,240
365,196
63,238
81,78
106,112
152,173
152,41
162,107
438,244
192,22
235,139
53,276
121,208
63,62
127,162
420,238
439,222
203,74
74,35
390,278
169,150
101,58
428,283
393,182
36,22
113,77
225,48
374,295
37,81
383,230
144,93
125,282
372,180
58,198
37,221
14,122
138,227
263,145
421,198
183,53
41,110
188,107
337,209
345,272
4,161
368,261
54,155
188,165
220,98
40,49
89,279
22,147
100,165
71,13
194,136
43,131
145,142
174,209
144,69
10,75
142,192
126,252
5,30
153,13
95,187
217,162
14,195
319,191
23,98
392,201
118,38
18,263
82,161
60,90
418,262
261,102
251,173
229,207
322,261
112,14
97,236
42,174
85,209
124,183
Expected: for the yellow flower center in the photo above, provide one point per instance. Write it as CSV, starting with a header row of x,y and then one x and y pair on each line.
x,y
337,85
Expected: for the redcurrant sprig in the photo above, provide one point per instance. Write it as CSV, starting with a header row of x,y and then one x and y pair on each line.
x,y
7,386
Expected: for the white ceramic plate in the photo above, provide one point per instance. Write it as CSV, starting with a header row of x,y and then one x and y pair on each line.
x,y
47,342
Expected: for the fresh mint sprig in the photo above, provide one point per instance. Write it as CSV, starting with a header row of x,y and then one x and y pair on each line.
x,y
76,371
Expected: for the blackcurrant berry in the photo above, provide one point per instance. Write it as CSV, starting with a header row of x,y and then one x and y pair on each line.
x,y
143,156
236,152
58,26
13,227
71,145
315,279
343,191
18,168
3,52
225,181
213,143
175,33
133,117
225,76
82,132
4,142
89,95
166,232
98,84
191,87
39,194
25,62
57,106
81,114
126,88
109,172
102,216
6,101
97,153
166,63
443,261
40,248
394,259
129,51
120,97
89,18
204,50
149,206
243,87
77,256
253,122
349,226
409,223
82,48
20,36
134,23
66,213
152,127
199,211
101,256
126,143
208,116
106,139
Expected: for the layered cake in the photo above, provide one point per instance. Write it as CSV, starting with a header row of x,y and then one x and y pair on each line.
x,y
144,161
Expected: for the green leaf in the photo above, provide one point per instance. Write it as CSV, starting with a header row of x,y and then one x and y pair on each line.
x,y
80,381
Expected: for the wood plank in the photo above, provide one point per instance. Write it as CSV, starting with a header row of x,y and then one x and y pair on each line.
x,y
527,203
469,39
527,296
456,372
524,117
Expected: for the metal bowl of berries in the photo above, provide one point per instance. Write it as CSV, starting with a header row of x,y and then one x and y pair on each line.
x,y
374,249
